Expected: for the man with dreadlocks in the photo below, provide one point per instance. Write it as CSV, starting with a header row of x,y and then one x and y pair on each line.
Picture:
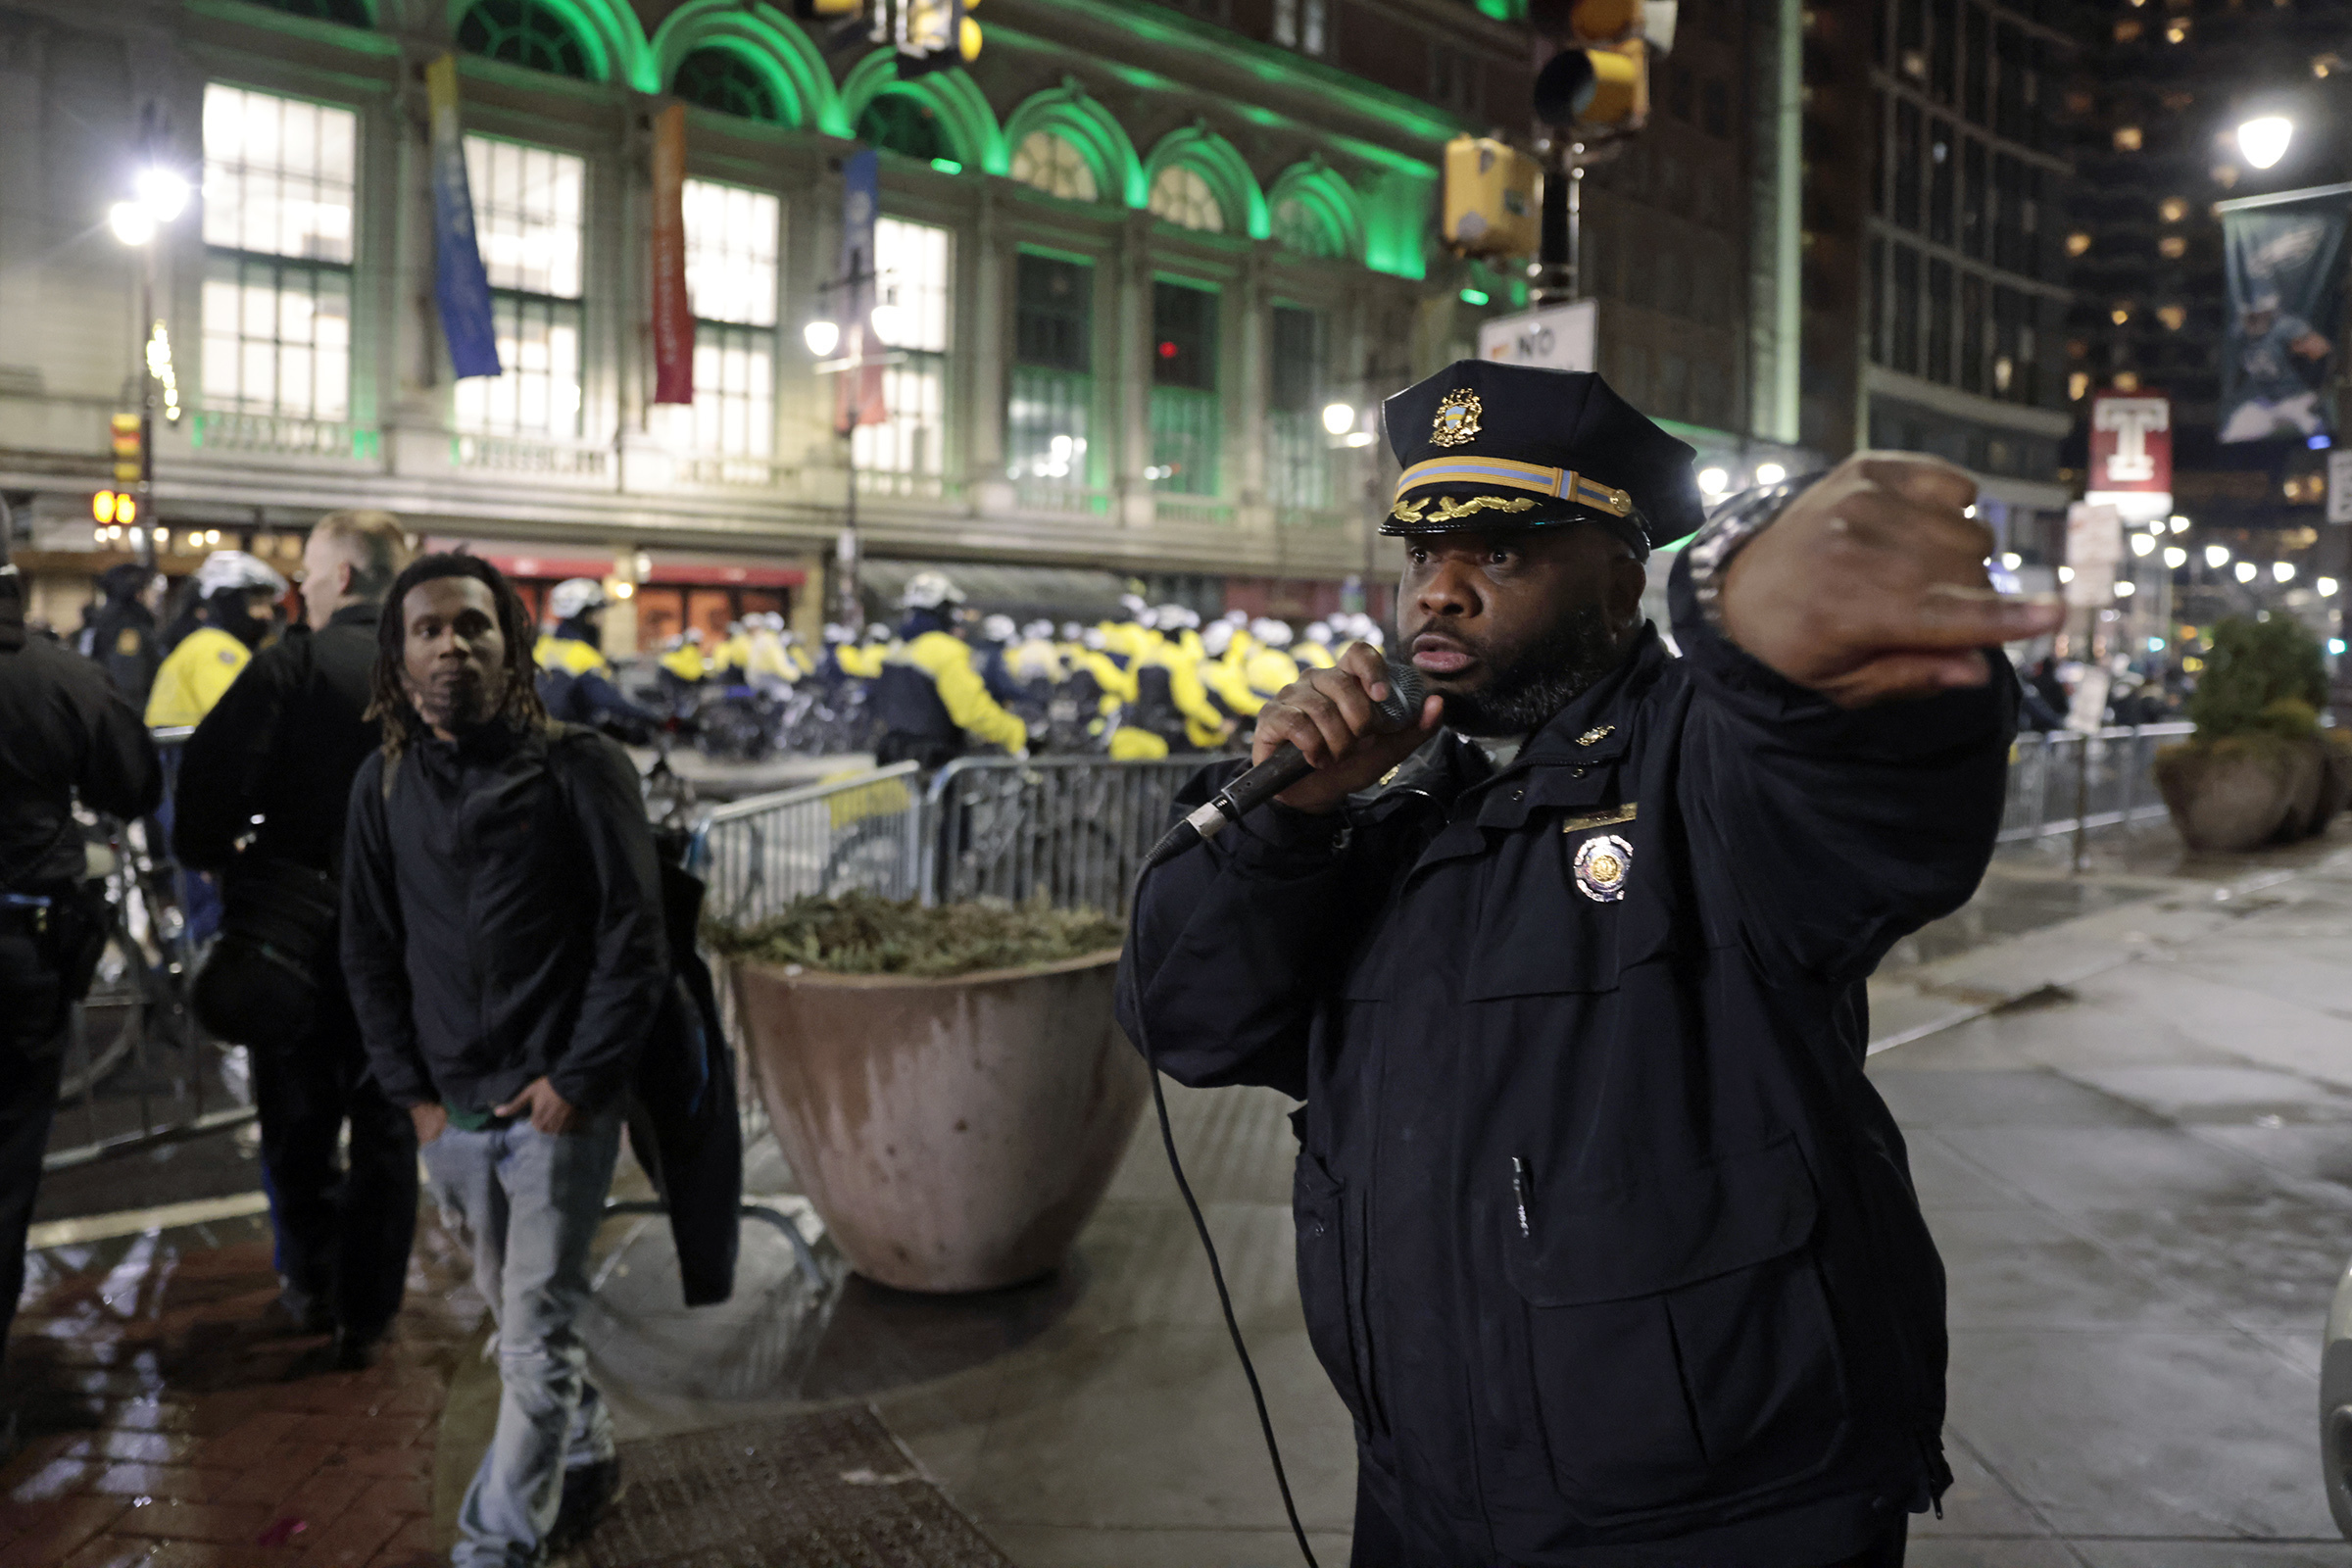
x,y
502,933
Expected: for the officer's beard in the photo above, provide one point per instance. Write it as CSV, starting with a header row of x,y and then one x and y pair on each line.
x,y
1526,691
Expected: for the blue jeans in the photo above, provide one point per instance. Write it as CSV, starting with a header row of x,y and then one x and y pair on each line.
x,y
529,1204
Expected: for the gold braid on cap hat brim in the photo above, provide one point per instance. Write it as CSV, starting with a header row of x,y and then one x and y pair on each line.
x,y
1450,509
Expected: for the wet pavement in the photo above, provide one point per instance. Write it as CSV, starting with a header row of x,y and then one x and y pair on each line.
x,y
2129,1101
167,1423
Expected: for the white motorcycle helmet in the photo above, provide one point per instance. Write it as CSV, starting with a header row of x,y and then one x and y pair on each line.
x,y
929,590
1319,633
231,570
1273,633
1217,638
575,596
996,629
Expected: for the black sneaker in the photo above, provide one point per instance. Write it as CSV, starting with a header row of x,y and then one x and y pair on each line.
x,y
588,1491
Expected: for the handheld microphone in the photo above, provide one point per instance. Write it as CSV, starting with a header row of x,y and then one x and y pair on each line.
x,y
1399,709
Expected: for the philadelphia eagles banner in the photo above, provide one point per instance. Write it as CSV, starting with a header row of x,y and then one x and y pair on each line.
x,y
2285,261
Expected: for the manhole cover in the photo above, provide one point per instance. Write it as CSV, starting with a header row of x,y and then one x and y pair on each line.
x,y
830,1489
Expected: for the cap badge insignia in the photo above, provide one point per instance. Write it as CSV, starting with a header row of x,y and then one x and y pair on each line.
x,y
1457,421
1596,734
1601,864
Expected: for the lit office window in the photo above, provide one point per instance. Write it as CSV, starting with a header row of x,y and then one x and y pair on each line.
x,y
529,205
913,265
731,251
1051,392
1053,165
279,183
1186,417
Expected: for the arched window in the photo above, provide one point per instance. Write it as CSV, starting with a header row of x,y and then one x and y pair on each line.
x,y
1298,227
899,123
525,32
349,13
1054,165
723,82
1184,198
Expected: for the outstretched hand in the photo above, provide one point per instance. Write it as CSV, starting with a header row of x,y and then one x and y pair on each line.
x,y
1872,585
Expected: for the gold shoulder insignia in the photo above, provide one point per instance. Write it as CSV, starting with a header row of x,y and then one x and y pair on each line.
x,y
1596,734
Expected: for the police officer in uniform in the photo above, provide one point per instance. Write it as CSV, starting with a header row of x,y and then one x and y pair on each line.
x,y
119,632
930,700
66,733
575,683
1606,1242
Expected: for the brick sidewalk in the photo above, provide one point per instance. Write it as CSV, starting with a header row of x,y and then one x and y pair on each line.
x,y
167,1426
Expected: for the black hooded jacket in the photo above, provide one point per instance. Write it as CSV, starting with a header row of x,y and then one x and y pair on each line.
x,y
502,917
64,731
1608,1245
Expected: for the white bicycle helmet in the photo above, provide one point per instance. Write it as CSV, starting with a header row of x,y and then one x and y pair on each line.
x,y
996,629
1273,633
575,596
227,571
928,590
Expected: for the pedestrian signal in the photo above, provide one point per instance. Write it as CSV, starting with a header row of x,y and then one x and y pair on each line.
x,y
109,506
1600,75
936,35
127,446
1491,198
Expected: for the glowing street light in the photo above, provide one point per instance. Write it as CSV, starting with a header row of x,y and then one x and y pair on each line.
x,y
2125,588
133,224
2142,543
823,338
2217,556
2175,557
1713,481
162,192
2263,141
2012,559
2283,570
1770,473
1338,419
2326,587
2245,572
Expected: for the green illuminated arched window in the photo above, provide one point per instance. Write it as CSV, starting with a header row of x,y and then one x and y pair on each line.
x,y
525,32
899,122
723,80
349,13
1300,226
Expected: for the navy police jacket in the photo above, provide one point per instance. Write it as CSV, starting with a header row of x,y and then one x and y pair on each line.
x,y
1603,1237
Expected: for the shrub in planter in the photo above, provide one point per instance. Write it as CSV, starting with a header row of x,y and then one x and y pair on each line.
x,y
947,1083
2257,771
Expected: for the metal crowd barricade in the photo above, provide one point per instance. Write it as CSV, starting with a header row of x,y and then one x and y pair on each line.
x,y
860,831
1071,830
2067,781
139,1070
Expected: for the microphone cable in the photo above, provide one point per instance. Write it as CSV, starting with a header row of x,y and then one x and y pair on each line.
x,y
1216,1270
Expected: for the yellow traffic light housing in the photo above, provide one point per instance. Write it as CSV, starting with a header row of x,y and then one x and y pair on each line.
x,y
1491,203
126,437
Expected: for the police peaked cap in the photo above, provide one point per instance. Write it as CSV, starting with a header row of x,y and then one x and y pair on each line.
x,y
1513,446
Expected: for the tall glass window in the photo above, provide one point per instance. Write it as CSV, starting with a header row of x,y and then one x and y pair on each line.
x,y
914,264
1186,417
278,180
1052,385
527,210
1297,450
731,249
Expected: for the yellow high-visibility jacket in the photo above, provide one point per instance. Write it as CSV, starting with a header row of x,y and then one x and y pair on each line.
x,y
1231,684
1269,671
948,659
731,655
1314,654
801,659
685,662
567,654
191,680
1203,725
864,659
770,660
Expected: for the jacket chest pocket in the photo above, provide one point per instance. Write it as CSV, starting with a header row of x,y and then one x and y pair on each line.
x,y
1554,900
1679,1339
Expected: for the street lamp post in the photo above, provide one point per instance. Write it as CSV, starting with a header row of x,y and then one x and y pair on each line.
x,y
161,196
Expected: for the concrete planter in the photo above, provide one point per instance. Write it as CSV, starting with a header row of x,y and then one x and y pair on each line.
x,y
956,1135
2235,796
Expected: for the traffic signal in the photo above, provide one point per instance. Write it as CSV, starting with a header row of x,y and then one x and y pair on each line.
x,y
936,35
1491,198
109,506
1599,76
126,447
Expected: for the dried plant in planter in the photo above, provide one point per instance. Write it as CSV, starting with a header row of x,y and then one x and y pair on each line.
x,y
864,933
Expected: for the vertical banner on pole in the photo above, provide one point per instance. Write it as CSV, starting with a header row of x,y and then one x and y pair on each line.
x,y
2283,262
461,287
859,398
673,312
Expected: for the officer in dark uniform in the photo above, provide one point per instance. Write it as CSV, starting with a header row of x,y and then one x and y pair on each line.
x,y
283,745
64,731
119,632
1605,1239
